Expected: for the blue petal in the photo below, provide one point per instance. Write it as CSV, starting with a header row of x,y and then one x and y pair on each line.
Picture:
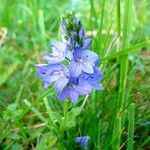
x,y
77,54
63,28
83,140
71,42
58,53
48,68
74,95
69,55
69,93
54,73
83,88
54,58
86,44
97,86
58,46
61,83
94,79
52,78
64,94
41,67
90,56
81,33
87,67
75,69
46,84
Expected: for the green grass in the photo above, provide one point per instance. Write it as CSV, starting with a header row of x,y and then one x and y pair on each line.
x,y
116,118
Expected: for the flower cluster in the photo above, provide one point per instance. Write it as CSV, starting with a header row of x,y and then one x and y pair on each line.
x,y
83,141
71,66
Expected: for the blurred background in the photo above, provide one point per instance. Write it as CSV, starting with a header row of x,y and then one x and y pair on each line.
x,y
26,29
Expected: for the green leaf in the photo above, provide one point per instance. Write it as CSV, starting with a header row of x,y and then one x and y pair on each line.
x,y
12,111
48,141
13,136
16,146
70,121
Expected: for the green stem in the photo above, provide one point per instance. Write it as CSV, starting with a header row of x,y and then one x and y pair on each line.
x,y
131,127
123,60
116,133
101,25
118,27
65,107
117,123
118,19
65,111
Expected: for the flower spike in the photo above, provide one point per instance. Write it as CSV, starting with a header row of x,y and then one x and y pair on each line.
x,y
71,67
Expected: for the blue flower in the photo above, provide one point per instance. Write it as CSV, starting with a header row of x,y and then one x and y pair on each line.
x,y
74,30
93,79
83,141
75,88
53,73
71,67
59,53
83,61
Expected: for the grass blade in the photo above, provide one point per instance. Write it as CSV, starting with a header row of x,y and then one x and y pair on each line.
x,y
47,106
124,58
34,103
101,26
116,133
35,111
131,49
4,77
131,127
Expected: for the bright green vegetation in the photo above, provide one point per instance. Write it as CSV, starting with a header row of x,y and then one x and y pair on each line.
x,y
116,118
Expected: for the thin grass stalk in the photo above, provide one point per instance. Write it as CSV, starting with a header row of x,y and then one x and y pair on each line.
x,y
35,111
123,67
118,25
118,32
124,58
116,133
65,111
101,25
47,107
34,104
131,49
117,124
131,127
41,23
93,12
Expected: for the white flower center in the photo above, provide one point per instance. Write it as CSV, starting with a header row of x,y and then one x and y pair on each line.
x,y
80,61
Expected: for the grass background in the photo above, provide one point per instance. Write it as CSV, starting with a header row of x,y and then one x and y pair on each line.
x,y
117,117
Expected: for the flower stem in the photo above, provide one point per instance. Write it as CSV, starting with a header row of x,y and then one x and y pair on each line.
x,y
84,102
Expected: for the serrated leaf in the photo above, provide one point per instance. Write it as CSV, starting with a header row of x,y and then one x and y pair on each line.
x,y
16,146
14,136
48,141
71,117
